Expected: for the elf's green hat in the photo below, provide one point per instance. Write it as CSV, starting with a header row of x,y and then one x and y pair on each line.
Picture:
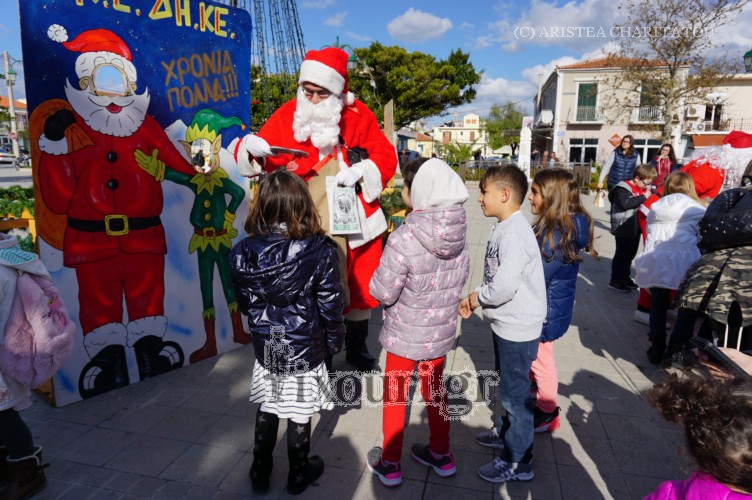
x,y
206,124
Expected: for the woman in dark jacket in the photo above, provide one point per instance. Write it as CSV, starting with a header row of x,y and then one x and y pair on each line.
x,y
286,277
620,164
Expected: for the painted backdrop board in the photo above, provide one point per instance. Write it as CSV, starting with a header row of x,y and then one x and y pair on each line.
x,y
134,105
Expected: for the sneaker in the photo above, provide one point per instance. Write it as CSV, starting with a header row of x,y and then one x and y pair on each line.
x,y
619,287
442,465
500,471
490,439
629,283
642,317
389,474
546,422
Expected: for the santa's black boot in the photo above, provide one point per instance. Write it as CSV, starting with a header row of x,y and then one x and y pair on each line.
x,y
356,350
263,446
106,371
155,357
304,470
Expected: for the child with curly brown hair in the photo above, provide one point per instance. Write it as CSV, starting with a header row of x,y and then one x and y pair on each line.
x,y
717,420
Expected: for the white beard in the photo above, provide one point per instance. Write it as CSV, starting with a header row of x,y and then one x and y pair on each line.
x,y
319,121
93,109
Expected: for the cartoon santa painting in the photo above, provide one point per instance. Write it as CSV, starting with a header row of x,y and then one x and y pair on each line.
x,y
114,237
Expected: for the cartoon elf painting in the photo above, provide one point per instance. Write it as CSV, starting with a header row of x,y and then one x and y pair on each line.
x,y
211,216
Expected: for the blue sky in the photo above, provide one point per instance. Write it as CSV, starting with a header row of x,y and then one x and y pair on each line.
x,y
511,42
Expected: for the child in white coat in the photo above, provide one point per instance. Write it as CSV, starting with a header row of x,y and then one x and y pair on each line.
x,y
670,248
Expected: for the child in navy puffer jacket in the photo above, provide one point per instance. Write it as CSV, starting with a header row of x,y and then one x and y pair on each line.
x,y
286,277
419,281
563,229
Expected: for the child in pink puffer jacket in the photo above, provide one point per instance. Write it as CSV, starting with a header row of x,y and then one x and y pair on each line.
x,y
419,282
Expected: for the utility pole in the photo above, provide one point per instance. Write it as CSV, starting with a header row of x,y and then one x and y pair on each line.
x,y
10,80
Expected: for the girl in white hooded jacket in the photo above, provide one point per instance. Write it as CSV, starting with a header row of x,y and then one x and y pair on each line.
x,y
670,248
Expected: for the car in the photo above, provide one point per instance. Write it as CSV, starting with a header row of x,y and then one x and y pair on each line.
x,y
6,157
407,155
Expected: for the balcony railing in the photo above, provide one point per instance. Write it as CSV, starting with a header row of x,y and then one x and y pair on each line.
x,y
647,114
585,114
722,125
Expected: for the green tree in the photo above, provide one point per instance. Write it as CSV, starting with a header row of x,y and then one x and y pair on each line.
x,y
670,63
420,84
5,118
269,92
503,126
457,152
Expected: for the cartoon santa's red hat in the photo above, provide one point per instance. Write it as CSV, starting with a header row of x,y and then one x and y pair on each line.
x,y
326,68
96,40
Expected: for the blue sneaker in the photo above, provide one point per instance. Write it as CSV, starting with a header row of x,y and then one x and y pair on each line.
x,y
500,471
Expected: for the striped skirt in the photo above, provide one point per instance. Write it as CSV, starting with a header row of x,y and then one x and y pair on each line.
x,y
292,395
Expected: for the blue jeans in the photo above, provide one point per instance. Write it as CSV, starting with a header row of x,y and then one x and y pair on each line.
x,y
516,430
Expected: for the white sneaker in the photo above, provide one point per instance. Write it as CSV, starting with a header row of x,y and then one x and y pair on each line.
x,y
642,317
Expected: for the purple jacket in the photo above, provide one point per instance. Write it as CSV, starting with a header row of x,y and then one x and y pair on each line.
x,y
698,487
423,269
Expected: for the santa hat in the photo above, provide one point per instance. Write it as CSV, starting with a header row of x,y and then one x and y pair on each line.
x,y
707,178
738,139
326,68
96,40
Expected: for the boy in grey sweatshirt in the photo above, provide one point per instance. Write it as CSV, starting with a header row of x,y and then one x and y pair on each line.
x,y
513,297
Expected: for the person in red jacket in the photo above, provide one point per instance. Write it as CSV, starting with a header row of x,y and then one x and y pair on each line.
x,y
114,237
328,123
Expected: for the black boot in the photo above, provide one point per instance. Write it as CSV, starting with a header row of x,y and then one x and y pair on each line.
x,y
106,371
155,357
356,350
26,476
263,446
656,351
304,470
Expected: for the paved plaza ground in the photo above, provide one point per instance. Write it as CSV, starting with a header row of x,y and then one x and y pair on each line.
x,y
189,433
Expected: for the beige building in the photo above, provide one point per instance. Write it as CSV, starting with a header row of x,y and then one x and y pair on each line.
x,y
576,118
727,107
575,115
467,131
22,122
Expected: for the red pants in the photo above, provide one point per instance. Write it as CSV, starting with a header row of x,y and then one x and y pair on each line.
x,y
361,264
396,390
543,372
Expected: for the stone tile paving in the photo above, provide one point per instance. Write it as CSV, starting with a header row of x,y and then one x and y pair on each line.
x,y
189,434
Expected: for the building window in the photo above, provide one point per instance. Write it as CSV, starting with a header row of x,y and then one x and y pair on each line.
x,y
446,137
650,109
586,101
472,136
713,116
583,150
647,148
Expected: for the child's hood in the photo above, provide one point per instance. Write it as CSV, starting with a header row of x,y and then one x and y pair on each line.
x,y
12,256
436,185
675,207
275,268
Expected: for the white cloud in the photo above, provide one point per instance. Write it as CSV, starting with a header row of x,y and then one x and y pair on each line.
x,y
418,26
466,26
360,38
336,20
318,4
492,91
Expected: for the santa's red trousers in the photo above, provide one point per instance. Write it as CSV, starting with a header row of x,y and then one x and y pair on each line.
x,y
361,264
397,376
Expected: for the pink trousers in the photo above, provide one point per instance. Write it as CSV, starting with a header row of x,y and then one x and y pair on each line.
x,y
543,373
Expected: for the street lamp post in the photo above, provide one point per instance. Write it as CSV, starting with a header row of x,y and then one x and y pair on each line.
x,y
10,77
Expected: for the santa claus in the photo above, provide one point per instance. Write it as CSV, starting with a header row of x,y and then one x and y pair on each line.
x,y
342,139
114,237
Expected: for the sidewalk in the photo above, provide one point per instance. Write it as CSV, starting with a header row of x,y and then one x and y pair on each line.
x,y
189,433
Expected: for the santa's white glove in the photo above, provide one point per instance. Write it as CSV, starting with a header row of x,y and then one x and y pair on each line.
x,y
350,176
257,147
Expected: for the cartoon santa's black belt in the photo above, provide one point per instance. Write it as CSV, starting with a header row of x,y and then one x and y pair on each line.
x,y
114,225
209,232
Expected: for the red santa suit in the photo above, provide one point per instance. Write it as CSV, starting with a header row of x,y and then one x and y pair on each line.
x,y
358,128
102,189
